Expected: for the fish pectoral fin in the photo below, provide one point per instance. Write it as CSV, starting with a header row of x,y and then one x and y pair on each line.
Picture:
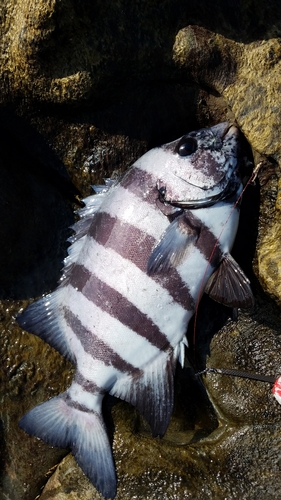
x,y
229,285
60,424
173,246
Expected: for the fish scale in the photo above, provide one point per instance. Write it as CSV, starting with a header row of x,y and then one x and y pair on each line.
x,y
144,250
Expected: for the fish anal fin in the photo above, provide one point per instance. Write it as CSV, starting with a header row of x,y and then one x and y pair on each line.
x,y
229,285
173,246
84,432
152,393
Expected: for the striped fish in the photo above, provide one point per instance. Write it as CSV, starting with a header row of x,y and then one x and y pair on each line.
x,y
145,248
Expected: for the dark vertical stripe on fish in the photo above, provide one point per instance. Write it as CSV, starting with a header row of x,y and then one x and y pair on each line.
x,y
207,242
87,385
114,303
142,184
74,404
124,238
93,345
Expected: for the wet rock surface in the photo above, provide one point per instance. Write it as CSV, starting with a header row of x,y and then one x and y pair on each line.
x,y
87,89
61,52
23,377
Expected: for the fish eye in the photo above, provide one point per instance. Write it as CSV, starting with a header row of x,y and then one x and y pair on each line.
x,y
187,146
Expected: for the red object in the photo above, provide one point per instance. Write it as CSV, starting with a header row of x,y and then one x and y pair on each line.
x,y
276,389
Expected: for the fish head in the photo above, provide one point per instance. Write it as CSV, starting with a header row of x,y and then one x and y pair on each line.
x,y
201,167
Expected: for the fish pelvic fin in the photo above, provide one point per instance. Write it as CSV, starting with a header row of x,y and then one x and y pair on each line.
x,y
229,285
66,426
173,246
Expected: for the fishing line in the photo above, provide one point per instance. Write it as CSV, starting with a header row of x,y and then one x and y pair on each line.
x,y
251,180
237,373
275,381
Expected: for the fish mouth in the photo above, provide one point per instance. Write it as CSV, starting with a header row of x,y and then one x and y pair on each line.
x,y
222,129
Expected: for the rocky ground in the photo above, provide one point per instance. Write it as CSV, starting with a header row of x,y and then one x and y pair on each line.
x,y
85,89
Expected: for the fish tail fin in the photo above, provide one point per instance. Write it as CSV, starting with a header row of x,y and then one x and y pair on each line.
x,y
66,426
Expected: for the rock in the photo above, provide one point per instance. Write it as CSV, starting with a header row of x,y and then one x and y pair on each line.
x,y
247,76
101,93
25,380
268,249
60,53
69,482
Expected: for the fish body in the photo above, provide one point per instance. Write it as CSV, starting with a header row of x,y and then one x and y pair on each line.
x,y
144,250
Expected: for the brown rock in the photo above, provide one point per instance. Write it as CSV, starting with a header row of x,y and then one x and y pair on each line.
x,y
102,84
247,76
25,381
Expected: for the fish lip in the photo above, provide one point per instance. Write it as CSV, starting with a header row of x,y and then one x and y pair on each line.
x,y
229,127
226,128
222,129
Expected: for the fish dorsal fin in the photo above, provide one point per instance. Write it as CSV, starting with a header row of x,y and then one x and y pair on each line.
x,y
92,204
173,246
229,285
152,393
40,318
81,227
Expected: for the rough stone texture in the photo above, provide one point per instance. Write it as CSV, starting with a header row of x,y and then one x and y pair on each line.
x,y
268,266
101,83
246,75
23,376
61,52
